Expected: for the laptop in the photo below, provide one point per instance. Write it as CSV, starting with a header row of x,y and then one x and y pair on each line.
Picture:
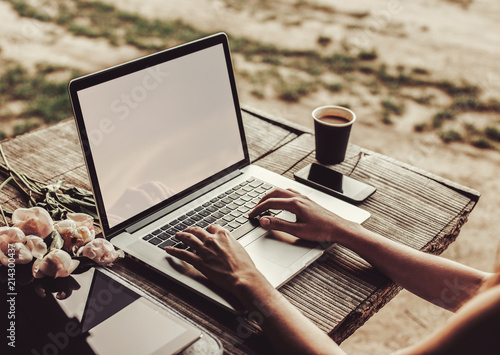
x,y
165,149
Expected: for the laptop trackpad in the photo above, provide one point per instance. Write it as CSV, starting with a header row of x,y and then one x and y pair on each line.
x,y
280,248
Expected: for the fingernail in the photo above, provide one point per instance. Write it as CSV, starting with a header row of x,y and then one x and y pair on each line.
x,y
265,222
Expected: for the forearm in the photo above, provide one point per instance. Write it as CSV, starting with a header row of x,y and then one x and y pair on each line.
x,y
436,279
289,331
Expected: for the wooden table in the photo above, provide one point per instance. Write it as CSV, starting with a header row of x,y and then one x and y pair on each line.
x,y
340,291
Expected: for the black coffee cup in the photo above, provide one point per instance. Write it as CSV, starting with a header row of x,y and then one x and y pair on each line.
x,y
332,127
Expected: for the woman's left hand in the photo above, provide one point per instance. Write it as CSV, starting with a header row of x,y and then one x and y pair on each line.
x,y
218,256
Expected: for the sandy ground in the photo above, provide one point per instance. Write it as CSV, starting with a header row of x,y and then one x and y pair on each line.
x,y
452,41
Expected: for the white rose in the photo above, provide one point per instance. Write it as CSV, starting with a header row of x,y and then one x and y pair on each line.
x,y
33,221
101,251
12,246
57,263
74,236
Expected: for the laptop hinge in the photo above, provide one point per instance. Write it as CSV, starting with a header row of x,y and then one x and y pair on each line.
x,y
170,208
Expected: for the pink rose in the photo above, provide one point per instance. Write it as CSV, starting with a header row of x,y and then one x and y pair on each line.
x,y
12,246
74,236
33,221
36,246
82,220
57,263
101,251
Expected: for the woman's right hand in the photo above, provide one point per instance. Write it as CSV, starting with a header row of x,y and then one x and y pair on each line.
x,y
313,222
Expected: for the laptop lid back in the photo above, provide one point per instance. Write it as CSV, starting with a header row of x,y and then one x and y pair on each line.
x,y
158,128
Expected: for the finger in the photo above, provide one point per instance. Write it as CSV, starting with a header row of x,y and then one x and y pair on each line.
x,y
274,204
214,228
198,232
279,224
278,193
186,256
189,239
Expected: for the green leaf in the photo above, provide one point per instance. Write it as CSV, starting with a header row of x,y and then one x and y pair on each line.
x,y
78,193
56,241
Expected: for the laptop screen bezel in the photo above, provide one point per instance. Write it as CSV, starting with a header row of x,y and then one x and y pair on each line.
x,y
133,66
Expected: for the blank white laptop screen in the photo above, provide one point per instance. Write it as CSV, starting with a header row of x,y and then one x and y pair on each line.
x,y
158,131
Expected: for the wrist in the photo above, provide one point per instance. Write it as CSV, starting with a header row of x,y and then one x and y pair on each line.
x,y
252,288
348,234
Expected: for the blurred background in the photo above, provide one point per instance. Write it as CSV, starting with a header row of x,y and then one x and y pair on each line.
x,y
422,76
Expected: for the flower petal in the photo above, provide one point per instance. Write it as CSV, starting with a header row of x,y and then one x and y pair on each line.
x,y
57,263
33,221
82,220
101,251
36,246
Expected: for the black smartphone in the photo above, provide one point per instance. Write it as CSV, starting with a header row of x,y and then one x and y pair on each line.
x,y
334,183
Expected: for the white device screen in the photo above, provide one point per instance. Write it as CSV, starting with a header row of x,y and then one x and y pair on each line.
x,y
158,131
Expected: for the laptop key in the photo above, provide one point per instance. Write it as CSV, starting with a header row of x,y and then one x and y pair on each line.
x,y
242,220
218,215
167,243
181,246
210,219
239,202
235,214
163,236
255,184
174,238
233,225
148,237
202,224
155,241
156,232
204,213
221,222
225,210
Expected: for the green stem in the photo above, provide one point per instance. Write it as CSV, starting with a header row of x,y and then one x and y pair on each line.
x,y
6,182
5,159
3,216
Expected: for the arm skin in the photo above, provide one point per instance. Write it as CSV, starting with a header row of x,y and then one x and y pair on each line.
x,y
433,278
224,261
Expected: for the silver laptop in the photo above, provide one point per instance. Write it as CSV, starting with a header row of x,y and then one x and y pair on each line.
x,y
165,149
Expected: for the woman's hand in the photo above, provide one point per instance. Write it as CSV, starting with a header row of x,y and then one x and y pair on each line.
x,y
219,257
313,222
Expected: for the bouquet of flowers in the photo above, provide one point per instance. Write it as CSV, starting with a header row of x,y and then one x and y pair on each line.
x,y
56,233
57,247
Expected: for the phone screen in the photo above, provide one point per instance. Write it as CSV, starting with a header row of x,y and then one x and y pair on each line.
x,y
320,176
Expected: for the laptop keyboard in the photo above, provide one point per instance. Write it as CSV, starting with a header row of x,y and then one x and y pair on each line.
x,y
229,209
